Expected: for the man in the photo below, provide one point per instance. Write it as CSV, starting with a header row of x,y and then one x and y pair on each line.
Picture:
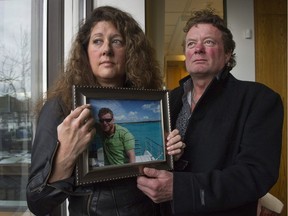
x,y
232,130
118,142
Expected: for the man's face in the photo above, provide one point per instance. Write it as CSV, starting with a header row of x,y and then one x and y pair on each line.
x,y
204,51
107,123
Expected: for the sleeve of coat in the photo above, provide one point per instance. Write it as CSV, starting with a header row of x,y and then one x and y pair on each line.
x,y
42,197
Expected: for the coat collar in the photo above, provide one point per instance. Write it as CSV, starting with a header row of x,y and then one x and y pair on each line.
x,y
221,76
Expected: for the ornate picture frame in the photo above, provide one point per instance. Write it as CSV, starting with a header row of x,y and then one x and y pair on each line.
x,y
144,113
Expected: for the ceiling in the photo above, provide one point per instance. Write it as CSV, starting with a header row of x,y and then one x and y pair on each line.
x,y
176,15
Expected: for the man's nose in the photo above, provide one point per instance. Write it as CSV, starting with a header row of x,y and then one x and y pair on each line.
x,y
199,48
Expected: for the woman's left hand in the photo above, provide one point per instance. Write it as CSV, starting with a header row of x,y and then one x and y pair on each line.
x,y
174,144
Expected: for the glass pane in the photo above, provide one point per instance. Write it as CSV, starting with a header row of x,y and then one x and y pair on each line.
x,y
16,120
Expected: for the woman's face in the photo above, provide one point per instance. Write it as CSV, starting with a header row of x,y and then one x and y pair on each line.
x,y
106,53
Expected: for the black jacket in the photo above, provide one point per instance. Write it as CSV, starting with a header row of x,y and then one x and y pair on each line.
x,y
233,148
120,197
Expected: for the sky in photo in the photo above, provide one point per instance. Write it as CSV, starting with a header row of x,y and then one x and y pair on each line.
x,y
130,110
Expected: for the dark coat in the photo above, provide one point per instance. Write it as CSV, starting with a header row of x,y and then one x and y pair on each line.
x,y
119,197
233,141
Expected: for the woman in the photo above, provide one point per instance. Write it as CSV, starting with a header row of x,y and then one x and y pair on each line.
x,y
110,50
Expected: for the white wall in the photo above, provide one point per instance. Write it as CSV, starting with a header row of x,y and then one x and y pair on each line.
x,y
135,7
240,19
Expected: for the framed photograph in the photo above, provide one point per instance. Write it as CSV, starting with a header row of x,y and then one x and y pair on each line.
x,y
131,129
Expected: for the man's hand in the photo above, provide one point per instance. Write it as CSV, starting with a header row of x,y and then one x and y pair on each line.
x,y
156,184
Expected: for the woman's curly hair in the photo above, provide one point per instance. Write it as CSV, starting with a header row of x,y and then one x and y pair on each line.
x,y
142,69
208,16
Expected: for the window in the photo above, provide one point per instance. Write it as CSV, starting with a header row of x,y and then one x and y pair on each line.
x,y
30,59
27,69
21,78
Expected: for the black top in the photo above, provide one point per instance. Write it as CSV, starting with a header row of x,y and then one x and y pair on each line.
x,y
233,147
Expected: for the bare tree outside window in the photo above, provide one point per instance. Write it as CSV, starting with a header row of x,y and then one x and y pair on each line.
x,y
15,103
15,68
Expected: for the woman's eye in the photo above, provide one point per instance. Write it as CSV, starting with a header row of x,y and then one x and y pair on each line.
x,y
117,42
97,41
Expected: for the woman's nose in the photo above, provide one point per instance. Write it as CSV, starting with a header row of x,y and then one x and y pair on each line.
x,y
107,49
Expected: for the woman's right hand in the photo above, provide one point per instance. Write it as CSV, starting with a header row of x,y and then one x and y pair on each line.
x,y
74,135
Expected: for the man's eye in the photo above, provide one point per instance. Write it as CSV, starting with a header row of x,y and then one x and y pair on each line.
x,y
210,43
190,44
